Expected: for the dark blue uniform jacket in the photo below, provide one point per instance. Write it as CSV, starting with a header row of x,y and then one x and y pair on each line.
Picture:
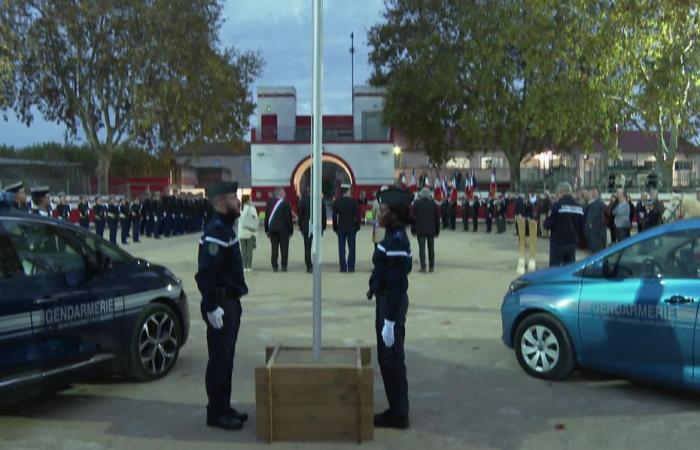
x,y
220,273
392,264
566,222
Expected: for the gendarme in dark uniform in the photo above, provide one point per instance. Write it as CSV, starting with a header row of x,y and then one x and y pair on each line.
x,y
84,213
567,225
389,284
221,283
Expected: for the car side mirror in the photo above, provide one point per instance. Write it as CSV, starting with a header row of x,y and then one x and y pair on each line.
x,y
599,269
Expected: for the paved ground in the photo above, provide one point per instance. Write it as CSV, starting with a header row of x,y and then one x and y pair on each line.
x,y
466,389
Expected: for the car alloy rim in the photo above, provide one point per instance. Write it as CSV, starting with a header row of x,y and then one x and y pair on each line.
x,y
158,343
540,348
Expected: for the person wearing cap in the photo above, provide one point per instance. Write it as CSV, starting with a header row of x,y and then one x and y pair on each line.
x,y
40,201
20,197
221,282
346,224
84,213
135,212
279,227
100,211
392,261
112,220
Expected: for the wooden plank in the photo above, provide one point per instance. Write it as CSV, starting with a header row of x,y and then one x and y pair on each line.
x,y
315,376
262,414
366,353
315,395
321,422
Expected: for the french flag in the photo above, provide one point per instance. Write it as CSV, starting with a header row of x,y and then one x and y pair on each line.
x,y
438,187
475,184
414,184
492,185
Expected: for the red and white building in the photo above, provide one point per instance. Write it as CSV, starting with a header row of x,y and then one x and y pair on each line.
x,y
357,148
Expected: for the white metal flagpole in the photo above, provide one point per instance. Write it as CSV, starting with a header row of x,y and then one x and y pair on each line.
x,y
316,195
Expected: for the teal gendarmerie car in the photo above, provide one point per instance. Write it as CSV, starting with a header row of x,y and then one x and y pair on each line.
x,y
70,301
630,310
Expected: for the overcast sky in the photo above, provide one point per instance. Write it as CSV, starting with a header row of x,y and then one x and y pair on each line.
x,y
282,31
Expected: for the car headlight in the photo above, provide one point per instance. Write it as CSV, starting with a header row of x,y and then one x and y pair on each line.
x,y
518,284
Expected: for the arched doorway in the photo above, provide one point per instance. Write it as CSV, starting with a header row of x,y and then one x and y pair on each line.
x,y
335,172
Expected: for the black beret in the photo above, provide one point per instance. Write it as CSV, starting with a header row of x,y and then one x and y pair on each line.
x,y
394,196
222,188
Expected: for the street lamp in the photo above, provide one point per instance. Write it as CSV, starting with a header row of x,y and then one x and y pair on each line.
x,y
397,150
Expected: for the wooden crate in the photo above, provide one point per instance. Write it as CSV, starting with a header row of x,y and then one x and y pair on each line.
x,y
298,399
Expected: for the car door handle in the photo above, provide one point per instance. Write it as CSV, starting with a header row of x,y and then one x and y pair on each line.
x,y
679,300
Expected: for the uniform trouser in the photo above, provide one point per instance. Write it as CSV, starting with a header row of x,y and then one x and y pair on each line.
x,y
453,221
168,225
561,255
465,223
501,224
489,224
100,228
307,250
392,360
113,226
349,238
85,224
136,229
157,228
280,244
422,239
142,228
475,223
445,221
149,226
597,238
221,345
125,224
622,233
247,252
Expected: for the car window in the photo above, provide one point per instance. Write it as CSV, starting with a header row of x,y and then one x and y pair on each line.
x,y
42,248
94,243
672,255
10,264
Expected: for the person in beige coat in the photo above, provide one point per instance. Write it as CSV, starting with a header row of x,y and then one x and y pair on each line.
x,y
248,225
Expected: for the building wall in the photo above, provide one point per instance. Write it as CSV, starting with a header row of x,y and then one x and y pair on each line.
x,y
366,99
236,168
274,164
281,101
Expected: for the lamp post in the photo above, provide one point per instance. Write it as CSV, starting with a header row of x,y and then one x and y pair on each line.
x,y
317,150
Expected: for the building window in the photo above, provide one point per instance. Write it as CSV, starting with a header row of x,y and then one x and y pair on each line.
x,y
684,165
373,128
488,162
459,162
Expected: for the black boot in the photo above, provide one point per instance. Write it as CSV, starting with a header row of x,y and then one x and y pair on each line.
x,y
389,420
242,416
225,421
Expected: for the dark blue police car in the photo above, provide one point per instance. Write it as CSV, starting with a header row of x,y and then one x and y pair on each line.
x,y
70,300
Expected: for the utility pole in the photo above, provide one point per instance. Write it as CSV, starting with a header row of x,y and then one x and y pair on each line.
x,y
352,79
317,170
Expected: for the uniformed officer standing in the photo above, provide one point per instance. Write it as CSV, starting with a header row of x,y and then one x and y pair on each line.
x,y
100,211
221,282
124,219
157,211
389,284
84,213
112,220
135,219
490,212
146,229
40,201
20,197
566,224
475,207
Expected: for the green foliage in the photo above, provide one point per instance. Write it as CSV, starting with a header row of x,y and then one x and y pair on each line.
x,y
129,72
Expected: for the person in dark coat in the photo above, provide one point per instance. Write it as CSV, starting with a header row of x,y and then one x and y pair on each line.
x,y
655,211
566,226
490,213
279,227
501,212
221,283
596,230
426,226
392,262
135,212
641,212
100,211
610,218
305,225
84,213
346,223
63,208
124,219
112,220
445,213
475,208
465,213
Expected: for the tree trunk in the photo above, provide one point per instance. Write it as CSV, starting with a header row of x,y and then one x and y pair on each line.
x,y
514,167
666,156
104,160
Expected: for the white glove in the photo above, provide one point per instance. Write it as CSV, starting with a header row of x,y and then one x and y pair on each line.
x,y
388,333
216,319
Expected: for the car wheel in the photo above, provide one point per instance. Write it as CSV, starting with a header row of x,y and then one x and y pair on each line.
x,y
543,348
155,343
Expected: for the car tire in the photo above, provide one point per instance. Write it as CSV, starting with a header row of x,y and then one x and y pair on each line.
x,y
155,343
543,348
